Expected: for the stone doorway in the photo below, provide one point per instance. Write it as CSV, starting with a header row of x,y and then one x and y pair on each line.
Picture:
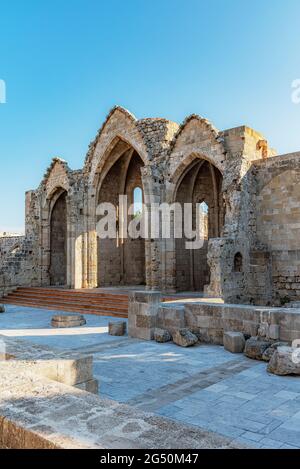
x,y
121,261
58,242
199,185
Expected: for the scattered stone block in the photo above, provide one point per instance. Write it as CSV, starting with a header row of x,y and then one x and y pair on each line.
x,y
255,348
184,338
268,353
285,361
68,320
162,335
117,328
234,342
2,309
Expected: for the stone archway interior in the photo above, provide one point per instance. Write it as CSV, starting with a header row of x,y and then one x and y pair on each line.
x,y
201,186
122,261
58,242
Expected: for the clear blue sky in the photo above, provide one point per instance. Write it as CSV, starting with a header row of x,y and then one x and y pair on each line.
x,y
67,62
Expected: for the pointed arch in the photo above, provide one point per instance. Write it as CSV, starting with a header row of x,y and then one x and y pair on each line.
x,y
196,137
120,124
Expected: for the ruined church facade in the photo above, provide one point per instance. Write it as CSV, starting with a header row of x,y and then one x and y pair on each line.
x,y
251,252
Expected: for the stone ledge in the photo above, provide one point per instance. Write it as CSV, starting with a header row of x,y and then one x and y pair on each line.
x,y
38,413
210,320
68,368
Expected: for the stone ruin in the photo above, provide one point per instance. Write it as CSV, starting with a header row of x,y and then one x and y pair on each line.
x,y
252,236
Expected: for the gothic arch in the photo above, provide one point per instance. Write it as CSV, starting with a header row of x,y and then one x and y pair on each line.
x,y
196,137
58,240
119,125
200,182
120,260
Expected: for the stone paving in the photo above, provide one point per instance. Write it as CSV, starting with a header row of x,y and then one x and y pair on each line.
x,y
203,386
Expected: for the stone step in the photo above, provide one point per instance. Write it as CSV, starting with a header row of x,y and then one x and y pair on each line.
x,y
73,298
67,304
79,293
101,303
67,308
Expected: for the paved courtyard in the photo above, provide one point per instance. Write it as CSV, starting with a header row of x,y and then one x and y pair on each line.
x,y
203,386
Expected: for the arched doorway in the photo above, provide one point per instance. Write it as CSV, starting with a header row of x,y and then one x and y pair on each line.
x,y
58,242
121,261
199,185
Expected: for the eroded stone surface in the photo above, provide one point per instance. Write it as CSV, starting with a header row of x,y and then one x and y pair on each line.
x,y
285,361
268,353
255,348
68,320
40,413
234,342
117,328
184,338
162,335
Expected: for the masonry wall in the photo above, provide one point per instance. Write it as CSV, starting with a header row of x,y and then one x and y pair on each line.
x,y
278,222
9,242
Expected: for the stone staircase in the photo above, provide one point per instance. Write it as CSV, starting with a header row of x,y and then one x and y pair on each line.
x,y
80,301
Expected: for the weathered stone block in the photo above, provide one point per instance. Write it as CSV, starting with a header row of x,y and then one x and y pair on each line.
x,y
268,353
285,361
184,338
255,348
234,342
68,320
117,328
162,335
75,371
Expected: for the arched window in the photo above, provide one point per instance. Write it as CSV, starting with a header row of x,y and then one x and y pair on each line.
x,y
137,201
238,262
203,220
15,249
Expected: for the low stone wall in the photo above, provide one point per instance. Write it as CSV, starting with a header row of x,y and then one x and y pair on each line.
x,y
208,320
64,367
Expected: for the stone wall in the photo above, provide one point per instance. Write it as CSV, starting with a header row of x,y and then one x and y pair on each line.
x,y
9,242
208,320
278,223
